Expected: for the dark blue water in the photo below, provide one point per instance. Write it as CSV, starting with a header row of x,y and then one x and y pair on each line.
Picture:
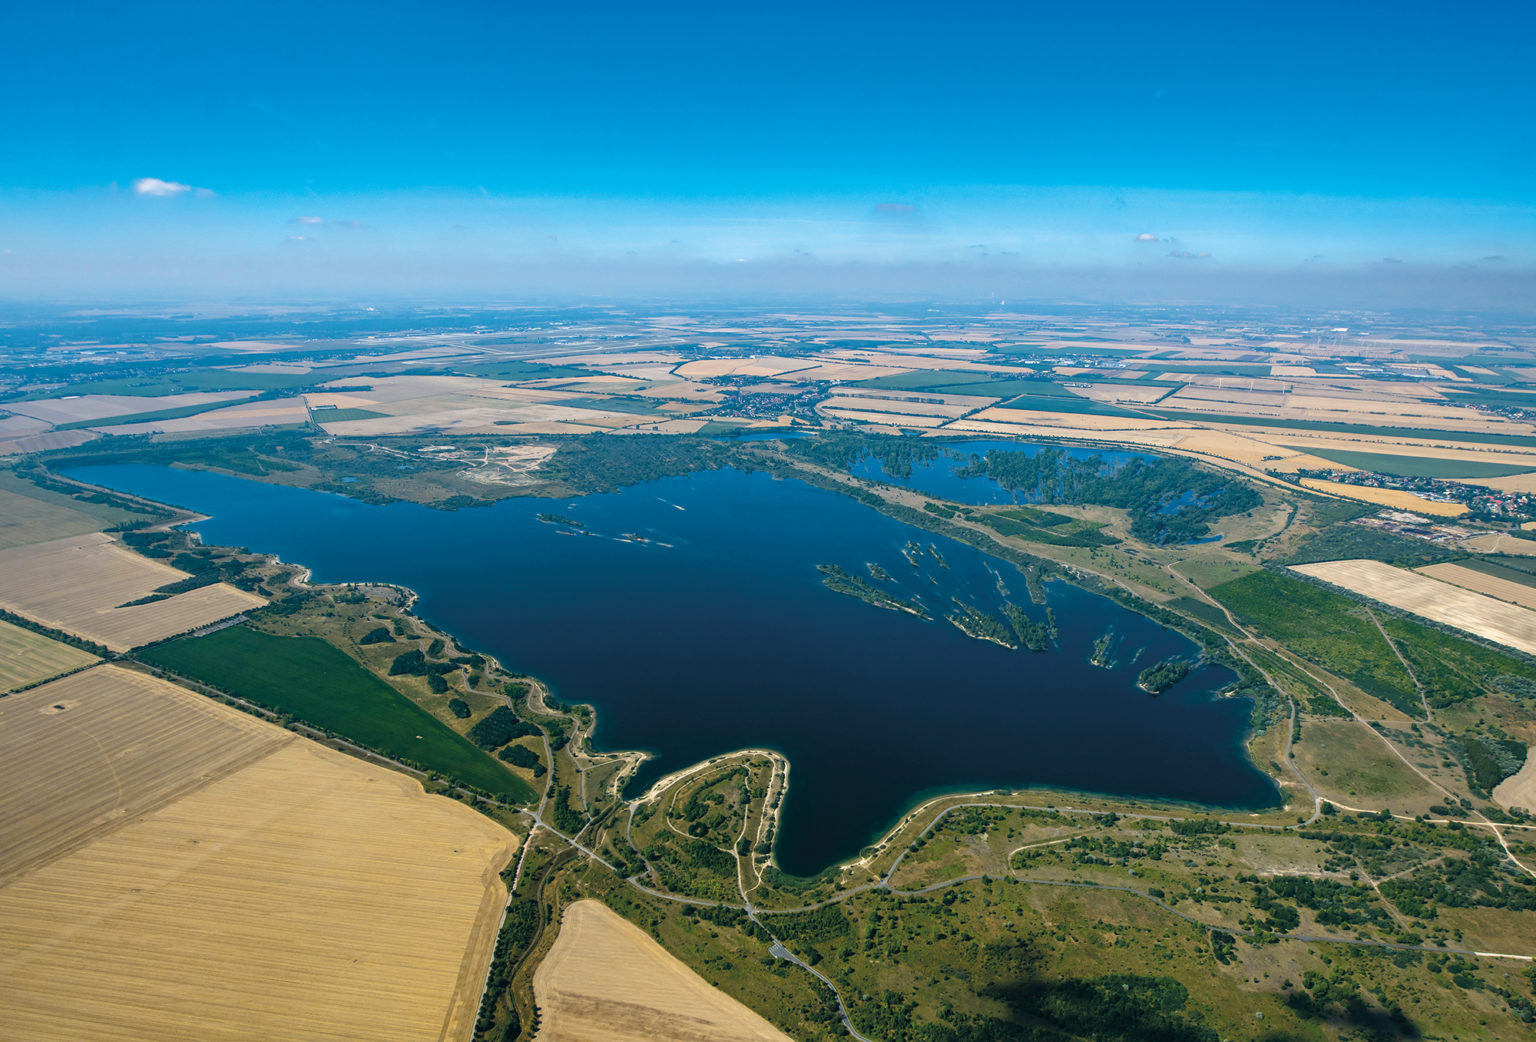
x,y
718,634
938,478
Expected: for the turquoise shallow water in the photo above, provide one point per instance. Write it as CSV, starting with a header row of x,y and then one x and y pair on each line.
x,y
716,633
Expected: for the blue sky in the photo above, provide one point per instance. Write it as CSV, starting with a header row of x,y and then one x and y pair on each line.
x,y
469,144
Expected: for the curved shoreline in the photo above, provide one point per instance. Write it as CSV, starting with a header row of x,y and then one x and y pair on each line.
x,y
581,742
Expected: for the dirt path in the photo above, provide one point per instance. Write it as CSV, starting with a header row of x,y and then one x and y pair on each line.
x,y
1417,684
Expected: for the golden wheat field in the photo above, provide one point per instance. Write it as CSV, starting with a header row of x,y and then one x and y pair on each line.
x,y
605,980
27,657
186,872
1387,497
1498,621
80,584
81,754
1478,582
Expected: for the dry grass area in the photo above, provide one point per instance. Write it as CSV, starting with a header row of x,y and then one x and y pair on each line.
x,y
1395,498
83,407
1502,623
1519,789
1477,582
606,980
79,585
177,870
277,412
27,657
26,518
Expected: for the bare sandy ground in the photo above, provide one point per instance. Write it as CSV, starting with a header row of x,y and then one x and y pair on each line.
x,y
1519,790
606,980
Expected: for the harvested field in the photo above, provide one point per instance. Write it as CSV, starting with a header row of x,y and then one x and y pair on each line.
x,y
265,887
26,518
78,585
27,657
123,744
1387,497
82,407
605,980
1479,582
277,412
1495,620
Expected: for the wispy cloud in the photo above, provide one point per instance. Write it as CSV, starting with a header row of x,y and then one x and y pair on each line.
x,y
309,220
1146,237
156,187
298,238
1190,254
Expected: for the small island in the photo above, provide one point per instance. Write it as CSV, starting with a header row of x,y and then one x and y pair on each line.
x,y
556,519
1154,680
974,622
1033,635
837,580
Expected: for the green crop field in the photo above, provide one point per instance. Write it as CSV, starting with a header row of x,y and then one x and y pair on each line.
x,y
1417,466
319,684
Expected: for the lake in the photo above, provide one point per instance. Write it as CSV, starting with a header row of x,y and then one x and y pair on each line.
x,y
716,633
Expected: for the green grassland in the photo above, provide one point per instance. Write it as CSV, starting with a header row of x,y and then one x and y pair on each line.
x,y
1043,526
154,382
1325,627
1341,542
315,682
515,369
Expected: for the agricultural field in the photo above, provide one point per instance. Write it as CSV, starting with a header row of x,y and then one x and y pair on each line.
x,y
27,657
264,885
84,584
29,514
1478,581
82,755
1397,499
1498,621
605,980
314,682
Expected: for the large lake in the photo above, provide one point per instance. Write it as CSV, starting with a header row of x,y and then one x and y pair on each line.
x,y
717,633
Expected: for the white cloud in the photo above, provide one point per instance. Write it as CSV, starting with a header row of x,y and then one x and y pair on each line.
x,y
1146,237
309,220
156,187
298,238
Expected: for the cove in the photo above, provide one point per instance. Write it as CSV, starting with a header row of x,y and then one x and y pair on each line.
x,y
716,633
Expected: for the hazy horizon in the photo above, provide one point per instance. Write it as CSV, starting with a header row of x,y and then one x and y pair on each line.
x,y
1304,154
